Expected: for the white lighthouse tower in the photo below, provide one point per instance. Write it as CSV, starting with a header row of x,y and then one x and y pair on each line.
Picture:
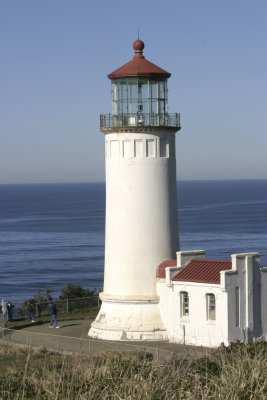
x,y
141,202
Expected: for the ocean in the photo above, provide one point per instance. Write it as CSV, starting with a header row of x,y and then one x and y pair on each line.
x,y
54,234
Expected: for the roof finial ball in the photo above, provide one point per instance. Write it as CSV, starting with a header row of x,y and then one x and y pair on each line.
x,y
138,46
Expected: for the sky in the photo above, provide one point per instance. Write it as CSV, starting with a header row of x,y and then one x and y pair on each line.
x,y
54,59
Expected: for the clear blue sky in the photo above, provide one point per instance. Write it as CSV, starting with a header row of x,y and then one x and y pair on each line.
x,y
55,55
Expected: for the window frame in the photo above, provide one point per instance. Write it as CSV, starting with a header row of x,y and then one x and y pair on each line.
x,y
184,305
209,304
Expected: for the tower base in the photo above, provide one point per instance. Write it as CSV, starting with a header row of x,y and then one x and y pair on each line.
x,y
132,318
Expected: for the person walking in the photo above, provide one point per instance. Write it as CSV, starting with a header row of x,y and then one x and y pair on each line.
x,y
10,307
30,312
4,310
54,316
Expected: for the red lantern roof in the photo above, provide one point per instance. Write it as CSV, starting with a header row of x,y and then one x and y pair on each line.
x,y
139,66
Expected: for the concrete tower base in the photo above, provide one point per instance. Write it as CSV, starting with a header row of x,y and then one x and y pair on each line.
x,y
128,318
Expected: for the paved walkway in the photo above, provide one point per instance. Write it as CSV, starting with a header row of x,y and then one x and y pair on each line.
x,y
79,329
71,328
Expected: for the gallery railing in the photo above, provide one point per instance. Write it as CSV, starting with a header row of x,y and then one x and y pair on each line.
x,y
139,119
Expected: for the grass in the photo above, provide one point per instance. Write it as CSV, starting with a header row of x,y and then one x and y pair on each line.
x,y
238,373
77,314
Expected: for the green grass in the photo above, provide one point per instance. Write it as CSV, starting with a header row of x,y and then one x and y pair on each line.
x,y
235,374
77,314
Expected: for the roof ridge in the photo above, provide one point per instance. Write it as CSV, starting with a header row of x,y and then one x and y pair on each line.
x,y
209,260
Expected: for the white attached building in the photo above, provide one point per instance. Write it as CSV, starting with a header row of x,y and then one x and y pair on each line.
x,y
206,302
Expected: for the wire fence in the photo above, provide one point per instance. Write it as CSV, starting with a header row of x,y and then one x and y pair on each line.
x,y
12,337
67,306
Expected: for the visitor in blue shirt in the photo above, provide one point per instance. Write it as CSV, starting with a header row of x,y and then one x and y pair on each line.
x,y
54,316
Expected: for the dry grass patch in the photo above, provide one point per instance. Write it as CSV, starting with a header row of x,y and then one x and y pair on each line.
x,y
239,373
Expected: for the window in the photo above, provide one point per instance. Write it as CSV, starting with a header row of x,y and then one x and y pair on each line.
x,y
130,93
184,304
211,307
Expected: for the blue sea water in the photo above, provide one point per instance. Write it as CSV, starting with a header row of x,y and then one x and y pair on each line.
x,y
53,234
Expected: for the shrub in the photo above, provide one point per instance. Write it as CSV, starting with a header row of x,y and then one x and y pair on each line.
x,y
41,300
75,291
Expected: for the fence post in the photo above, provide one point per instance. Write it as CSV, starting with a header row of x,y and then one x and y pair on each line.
x,y
157,353
89,345
67,306
36,310
57,343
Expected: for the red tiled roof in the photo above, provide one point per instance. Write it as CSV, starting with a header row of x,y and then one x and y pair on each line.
x,y
203,271
161,268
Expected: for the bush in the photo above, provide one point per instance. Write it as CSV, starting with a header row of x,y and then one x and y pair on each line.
x,y
39,302
78,297
251,349
75,291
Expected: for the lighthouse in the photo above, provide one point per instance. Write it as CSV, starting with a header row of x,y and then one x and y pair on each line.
x,y
141,202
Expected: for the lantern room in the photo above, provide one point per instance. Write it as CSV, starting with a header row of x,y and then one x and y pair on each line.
x,y
132,95
139,96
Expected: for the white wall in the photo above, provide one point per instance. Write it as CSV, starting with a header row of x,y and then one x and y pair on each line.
x,y
264,301
141,232
246,276
195,329
141,210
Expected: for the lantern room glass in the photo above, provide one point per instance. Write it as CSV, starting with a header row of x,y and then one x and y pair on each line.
x,y
139,95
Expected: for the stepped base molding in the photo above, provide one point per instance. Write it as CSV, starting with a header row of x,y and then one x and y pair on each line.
x,y
132,318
